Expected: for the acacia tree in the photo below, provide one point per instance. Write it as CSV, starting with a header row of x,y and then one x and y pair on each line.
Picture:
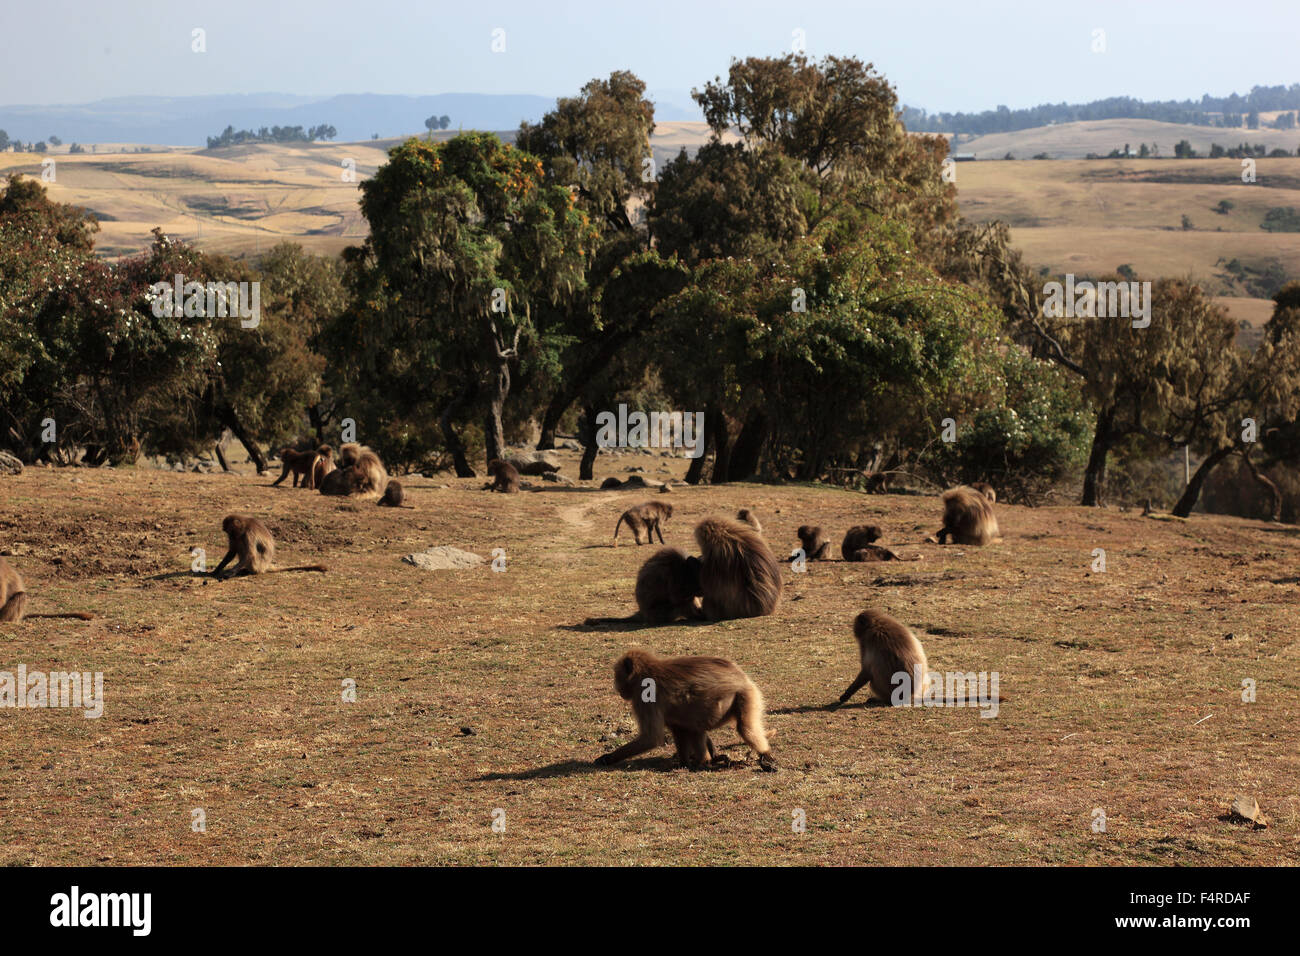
x,y
466,241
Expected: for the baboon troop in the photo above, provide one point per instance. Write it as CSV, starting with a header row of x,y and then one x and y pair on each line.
x,y
13,598
251,543
667,588
816,546
739,575
301,463
967,517
394,496
857,538
984,488
887,647
646,518
359,472
688,697
749,518
505,477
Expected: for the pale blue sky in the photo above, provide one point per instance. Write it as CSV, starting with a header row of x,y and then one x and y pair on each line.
x,y
941,55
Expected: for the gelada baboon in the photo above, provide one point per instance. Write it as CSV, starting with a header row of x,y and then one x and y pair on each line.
x,y
505,477
360,472
815,545
535,467
887,647
646,518
877,482
858,537
13,598
739,575
300,463
967,517
874,552
250,541
688,697
984,488
749,518
324,464
394,496
667,588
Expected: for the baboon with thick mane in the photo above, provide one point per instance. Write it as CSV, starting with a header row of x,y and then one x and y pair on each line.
x,y
858,537
505,477
886,647
739,575
250,541
967,517
815,545
301,463
13,598
688,697
667,588
646,518
360,472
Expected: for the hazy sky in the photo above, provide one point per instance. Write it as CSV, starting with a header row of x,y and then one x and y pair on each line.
x,y
941,55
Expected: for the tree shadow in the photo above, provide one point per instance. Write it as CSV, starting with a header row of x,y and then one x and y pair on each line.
x,y
571,768
616,625
181,574
830,708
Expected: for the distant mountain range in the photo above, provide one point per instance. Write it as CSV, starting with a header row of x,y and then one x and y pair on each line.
x,y
190,120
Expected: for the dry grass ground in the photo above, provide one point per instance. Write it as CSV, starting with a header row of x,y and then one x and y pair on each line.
x,y
477,690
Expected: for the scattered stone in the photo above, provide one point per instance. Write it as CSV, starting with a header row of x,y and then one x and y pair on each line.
x,y
443,558
555,476
665,489
9,464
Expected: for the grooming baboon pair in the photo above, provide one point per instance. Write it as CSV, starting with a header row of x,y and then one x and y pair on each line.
x,y
690,696
359,472
736,575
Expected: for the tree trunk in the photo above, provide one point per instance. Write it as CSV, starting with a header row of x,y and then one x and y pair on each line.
x,y
450,437
317,423
748,449
1193,490
1094,476
231,421
494,435
722,449
587,435
1275,493
221,456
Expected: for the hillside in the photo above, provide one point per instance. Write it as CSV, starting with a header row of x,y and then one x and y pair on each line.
x,y
478,691
1077,140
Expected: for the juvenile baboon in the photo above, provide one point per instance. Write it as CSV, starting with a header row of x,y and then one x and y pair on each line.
x,y
877,482
360,472
13,598
394,496
815,545
324,464
250,541
886,647
505,477
857,537
984,488
968,517
749,518
610,483
688,697
739,575
646,518
300,463
667,587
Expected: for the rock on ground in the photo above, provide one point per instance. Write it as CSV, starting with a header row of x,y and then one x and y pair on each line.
x,y
443,558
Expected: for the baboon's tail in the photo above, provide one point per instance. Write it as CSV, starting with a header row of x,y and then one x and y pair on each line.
x,y
749,719
305,567
619,524
13,608
79,615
